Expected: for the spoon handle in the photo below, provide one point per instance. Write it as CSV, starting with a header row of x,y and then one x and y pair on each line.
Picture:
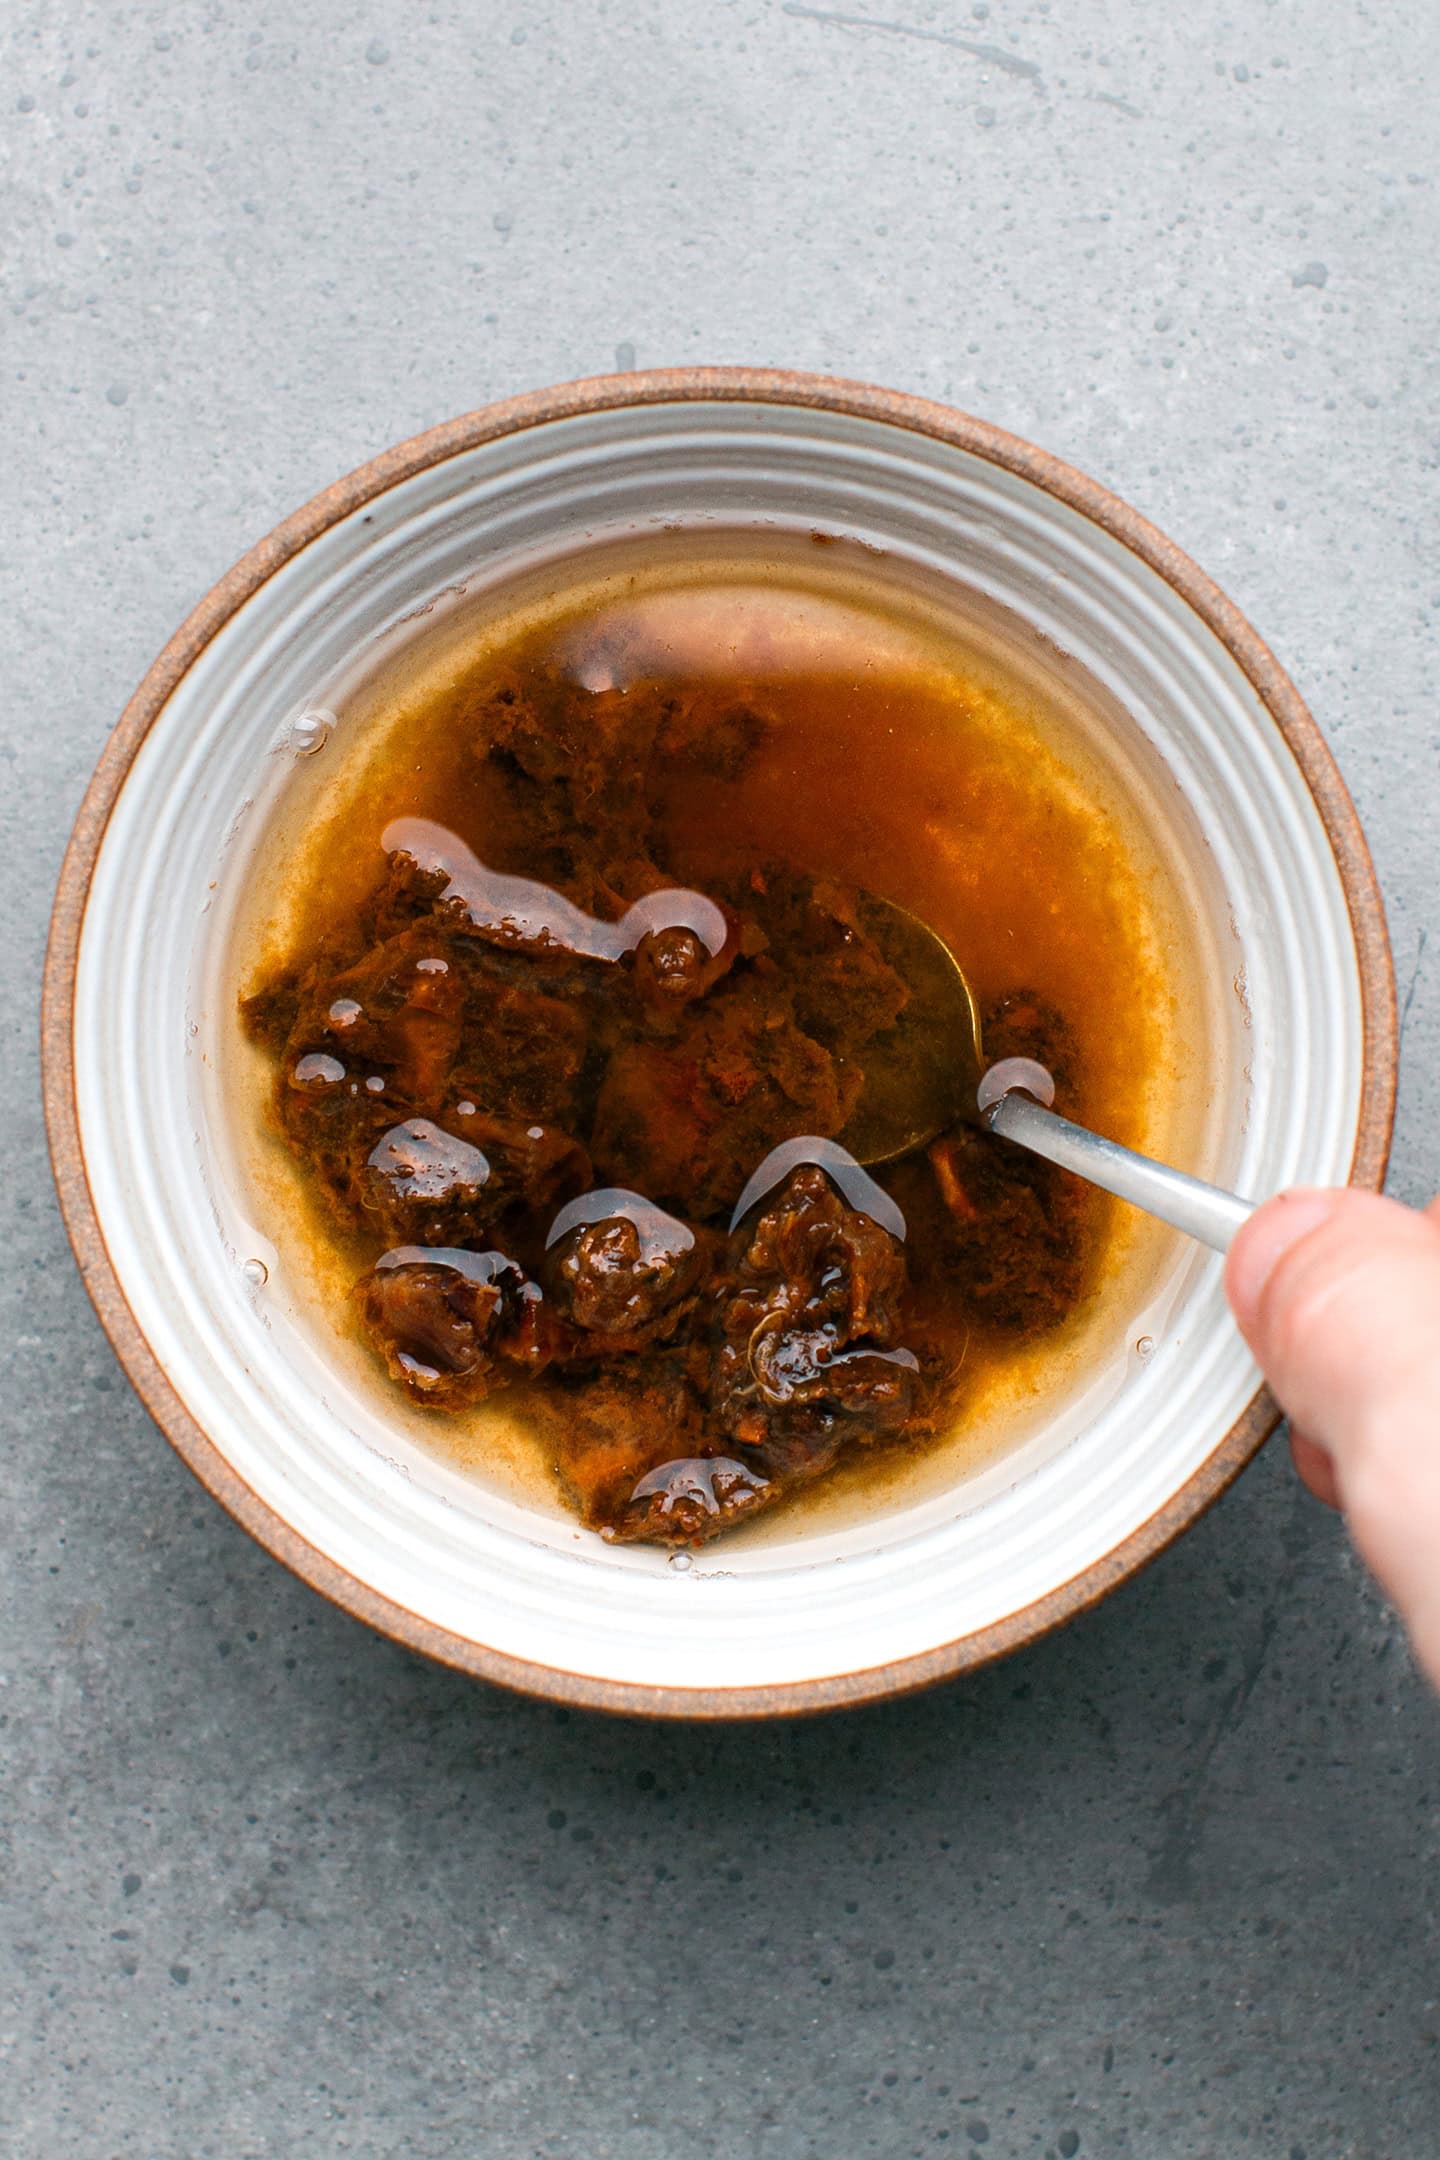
x,y
1186,1203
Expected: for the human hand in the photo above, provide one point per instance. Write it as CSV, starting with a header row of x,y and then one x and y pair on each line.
x,y
1338,1295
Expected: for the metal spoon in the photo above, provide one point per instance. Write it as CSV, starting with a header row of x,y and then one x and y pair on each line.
x,y
935,1072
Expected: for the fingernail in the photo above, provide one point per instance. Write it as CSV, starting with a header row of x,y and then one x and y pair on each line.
x,y
1264,1242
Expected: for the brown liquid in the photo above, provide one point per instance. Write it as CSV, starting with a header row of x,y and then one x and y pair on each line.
x,y
867,752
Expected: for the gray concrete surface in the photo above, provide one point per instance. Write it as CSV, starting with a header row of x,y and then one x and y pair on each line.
x,y
1164,1886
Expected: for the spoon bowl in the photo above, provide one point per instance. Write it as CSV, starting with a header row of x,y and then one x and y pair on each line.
x,y
933,1061
935,1073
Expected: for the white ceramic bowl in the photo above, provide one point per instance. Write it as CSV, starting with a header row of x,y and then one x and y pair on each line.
x,y
1213,741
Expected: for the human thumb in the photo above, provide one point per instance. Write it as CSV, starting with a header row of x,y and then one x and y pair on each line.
x,y
1338,1295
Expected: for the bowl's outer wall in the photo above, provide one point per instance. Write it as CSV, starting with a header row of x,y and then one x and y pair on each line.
x,y
761,386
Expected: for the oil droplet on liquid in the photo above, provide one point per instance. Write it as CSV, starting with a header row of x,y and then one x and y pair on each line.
x,y
310,731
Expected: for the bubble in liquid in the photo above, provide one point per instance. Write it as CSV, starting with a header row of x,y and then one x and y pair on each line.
x,y
1145,1348
681,1562
255,1273
310,731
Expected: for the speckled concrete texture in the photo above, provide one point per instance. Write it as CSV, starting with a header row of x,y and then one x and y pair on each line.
x,y
1162,1887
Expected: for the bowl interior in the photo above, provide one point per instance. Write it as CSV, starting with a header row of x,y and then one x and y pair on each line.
x,y
1270,1093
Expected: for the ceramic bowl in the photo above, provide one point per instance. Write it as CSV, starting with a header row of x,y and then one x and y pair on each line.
x,y
1232,774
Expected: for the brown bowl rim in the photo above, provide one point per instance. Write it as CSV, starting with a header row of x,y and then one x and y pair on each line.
x,y
596,394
